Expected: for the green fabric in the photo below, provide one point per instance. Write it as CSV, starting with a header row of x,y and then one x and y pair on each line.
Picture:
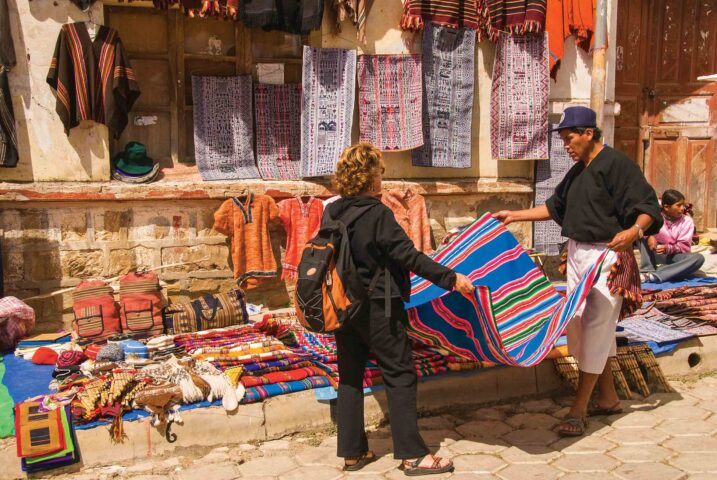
x,y
69,447
7,413
134,159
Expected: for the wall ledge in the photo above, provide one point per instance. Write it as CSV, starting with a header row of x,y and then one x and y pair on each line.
x,y
174,190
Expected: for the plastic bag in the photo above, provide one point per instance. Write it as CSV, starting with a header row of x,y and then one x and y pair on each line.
x,y
17,319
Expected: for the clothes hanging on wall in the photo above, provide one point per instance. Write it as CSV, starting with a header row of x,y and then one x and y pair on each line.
x,y
247,223
301,221
448,13
93,79
8,138
354,10
410,211
565,18
514,16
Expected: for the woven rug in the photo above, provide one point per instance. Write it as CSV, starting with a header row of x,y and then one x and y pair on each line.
x,y
448,75
547,236
519,98
277,112
390,101
223,127
329,79
515,316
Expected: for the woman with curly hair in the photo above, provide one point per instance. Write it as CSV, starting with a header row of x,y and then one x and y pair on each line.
x,y
379,245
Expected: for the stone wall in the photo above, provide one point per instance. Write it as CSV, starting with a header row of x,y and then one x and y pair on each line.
x,y
54,244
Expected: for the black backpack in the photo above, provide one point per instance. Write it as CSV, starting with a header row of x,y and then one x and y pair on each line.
x,y
329,291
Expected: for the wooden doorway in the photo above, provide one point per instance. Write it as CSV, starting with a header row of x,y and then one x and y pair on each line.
x,y
668,118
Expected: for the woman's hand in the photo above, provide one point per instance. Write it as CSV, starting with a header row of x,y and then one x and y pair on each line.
x,y
651,242
505,216
463,284
661,249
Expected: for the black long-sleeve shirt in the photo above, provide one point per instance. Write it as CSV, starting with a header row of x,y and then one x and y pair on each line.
x,y
376,238
594,203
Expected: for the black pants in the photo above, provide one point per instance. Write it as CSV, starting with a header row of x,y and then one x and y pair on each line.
x,y
388,340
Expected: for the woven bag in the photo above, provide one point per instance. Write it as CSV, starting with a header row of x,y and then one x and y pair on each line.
x,y
209,311
140,299
96,314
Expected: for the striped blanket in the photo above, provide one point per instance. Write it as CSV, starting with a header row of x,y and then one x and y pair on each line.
x,y
515,316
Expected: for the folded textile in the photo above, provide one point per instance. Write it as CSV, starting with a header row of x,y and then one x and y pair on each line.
x,y
38,433
258,393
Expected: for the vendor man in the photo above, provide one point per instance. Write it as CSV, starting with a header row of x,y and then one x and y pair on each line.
x,y
604,202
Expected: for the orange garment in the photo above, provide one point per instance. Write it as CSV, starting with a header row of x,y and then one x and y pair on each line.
x,y
409,208
301,221
563,19
247,223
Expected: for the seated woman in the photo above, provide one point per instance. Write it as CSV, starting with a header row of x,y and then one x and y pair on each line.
x,y
666,256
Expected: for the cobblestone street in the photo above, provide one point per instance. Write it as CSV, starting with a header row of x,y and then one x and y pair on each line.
x,y
664,436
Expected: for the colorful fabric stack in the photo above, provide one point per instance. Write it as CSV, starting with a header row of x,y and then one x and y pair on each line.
x,y
515,316
45,439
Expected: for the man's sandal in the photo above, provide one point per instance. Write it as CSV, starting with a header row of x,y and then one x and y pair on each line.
x,y
596,410
361,461
411,467
572,426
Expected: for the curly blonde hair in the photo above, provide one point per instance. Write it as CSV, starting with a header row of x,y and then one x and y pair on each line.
x,y
357,168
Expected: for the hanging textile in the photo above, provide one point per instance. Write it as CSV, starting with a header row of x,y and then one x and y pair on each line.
x,y
224,127
329,77
247,223
547,236
354,10
565,18
448,13
8,137
410,211
515,316
519,98
448,73
390,101
301,222
277,110
93,79
514,16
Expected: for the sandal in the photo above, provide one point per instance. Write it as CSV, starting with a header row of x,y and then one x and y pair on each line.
x,y
572,426
361,462
411,467
595,410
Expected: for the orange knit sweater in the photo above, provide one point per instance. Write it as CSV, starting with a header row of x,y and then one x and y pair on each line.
x,y
301,221
246,222
410,211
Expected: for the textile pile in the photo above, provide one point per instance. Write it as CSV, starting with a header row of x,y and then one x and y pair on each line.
x,y
695,303
45,438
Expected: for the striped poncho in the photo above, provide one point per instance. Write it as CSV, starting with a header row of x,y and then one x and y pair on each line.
x,y
515,316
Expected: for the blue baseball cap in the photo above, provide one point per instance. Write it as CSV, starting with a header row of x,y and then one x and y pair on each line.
x,y
577,117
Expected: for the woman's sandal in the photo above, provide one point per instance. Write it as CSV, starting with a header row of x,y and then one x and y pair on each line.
x,y
361,461
411,467
572,426
595,410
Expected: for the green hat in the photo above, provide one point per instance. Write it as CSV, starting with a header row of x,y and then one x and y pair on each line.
x,y
134,160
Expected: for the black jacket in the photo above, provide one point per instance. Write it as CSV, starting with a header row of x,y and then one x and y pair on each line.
x,y
377,240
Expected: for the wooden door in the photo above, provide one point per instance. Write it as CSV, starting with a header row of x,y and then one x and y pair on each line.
x,y
668,119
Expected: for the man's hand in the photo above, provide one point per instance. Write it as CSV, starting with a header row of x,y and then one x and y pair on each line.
x,y
505,216
463,284
651,242
661,249
622,241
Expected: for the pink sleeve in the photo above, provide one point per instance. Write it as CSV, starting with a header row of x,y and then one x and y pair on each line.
x,y
683,237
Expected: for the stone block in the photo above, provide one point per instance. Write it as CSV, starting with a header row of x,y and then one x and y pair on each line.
x,y
479,387
81,263
270,466
123,260
35,224
197,257
649,471
280,414
209,471
112,225
516,382
205,221
41,266
73,225
597,462
529,472
13,265
478,463
148,224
